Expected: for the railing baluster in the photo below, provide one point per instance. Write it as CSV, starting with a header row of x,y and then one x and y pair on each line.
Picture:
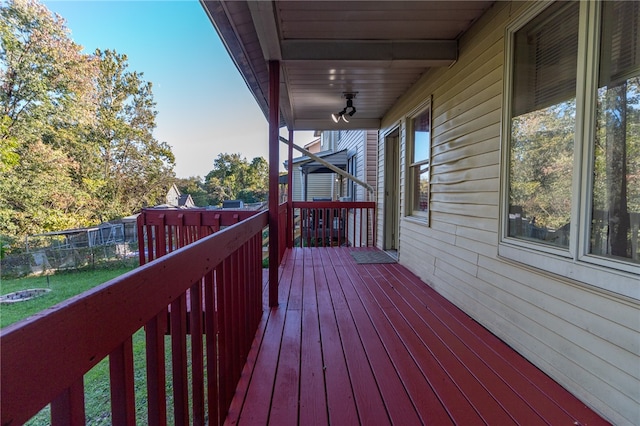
x,y
211,330
227,282
236,315
68,407
156,381
123,405
161,239
141,230
244,293
257,293
197,362
373,226
361,224
179,360
223,363
152,236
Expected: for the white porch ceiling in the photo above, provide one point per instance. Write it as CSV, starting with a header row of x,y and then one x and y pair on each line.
x,y
376,49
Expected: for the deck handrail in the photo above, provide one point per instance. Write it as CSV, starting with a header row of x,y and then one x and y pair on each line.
x,y
45,357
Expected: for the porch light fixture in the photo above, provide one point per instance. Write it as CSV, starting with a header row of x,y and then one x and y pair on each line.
x,y
348,110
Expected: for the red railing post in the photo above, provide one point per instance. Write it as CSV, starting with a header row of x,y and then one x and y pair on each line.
x,y
290,192
68,407
211,329
123,408
197,358
178,319
274,141
156,382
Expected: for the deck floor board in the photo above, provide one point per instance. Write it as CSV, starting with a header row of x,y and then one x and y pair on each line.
x,y
372,344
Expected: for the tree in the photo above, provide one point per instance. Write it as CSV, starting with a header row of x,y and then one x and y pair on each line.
x,y
137,169
194,186
542,164
39,196
233,177
76,130
46,81
44,78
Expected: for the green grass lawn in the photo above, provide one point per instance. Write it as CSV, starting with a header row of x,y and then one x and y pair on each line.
x,y
63,286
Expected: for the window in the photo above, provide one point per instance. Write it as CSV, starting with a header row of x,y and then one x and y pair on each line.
x,y
573,134
542,126
615,204
352,170
419,166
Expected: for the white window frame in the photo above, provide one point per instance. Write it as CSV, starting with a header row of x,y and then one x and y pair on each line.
x,y
418,215
352,169
575,262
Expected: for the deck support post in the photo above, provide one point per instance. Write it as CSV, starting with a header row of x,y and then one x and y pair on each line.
x,y
274,141
290,192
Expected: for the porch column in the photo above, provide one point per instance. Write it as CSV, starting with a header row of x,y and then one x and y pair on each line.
x,y
290,193
274,143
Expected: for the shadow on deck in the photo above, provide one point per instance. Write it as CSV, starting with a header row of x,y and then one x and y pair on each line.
x,y
372,344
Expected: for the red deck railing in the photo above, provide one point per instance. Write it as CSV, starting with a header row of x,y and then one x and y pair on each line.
x,y
161,231
198,282
219,277
336,223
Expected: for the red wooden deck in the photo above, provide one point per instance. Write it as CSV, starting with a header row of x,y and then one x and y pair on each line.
x,y
372,344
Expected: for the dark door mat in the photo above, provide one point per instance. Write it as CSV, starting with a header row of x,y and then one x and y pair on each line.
x,y
363,257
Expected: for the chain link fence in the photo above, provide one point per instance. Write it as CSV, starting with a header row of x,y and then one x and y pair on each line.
x,y
49,260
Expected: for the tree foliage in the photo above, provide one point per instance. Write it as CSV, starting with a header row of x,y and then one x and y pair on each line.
x,y
542,164
46,79
136,169
233,177
76,130
194,186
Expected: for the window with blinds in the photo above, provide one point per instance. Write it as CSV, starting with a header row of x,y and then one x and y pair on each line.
x,y
543,126
619,42
564,112
615,197
546,59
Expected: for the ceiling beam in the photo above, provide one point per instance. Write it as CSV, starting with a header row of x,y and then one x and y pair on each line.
x,y
369,50
264,22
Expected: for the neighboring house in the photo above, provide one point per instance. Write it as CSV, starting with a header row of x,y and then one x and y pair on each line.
x,y
175,198
362,162
314,146
507,159
354,151
186,201
306,187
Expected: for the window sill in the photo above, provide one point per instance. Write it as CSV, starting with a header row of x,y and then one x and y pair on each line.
x,y
598,276
418,220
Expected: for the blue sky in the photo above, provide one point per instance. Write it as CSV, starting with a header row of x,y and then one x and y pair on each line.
x,y
204,107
